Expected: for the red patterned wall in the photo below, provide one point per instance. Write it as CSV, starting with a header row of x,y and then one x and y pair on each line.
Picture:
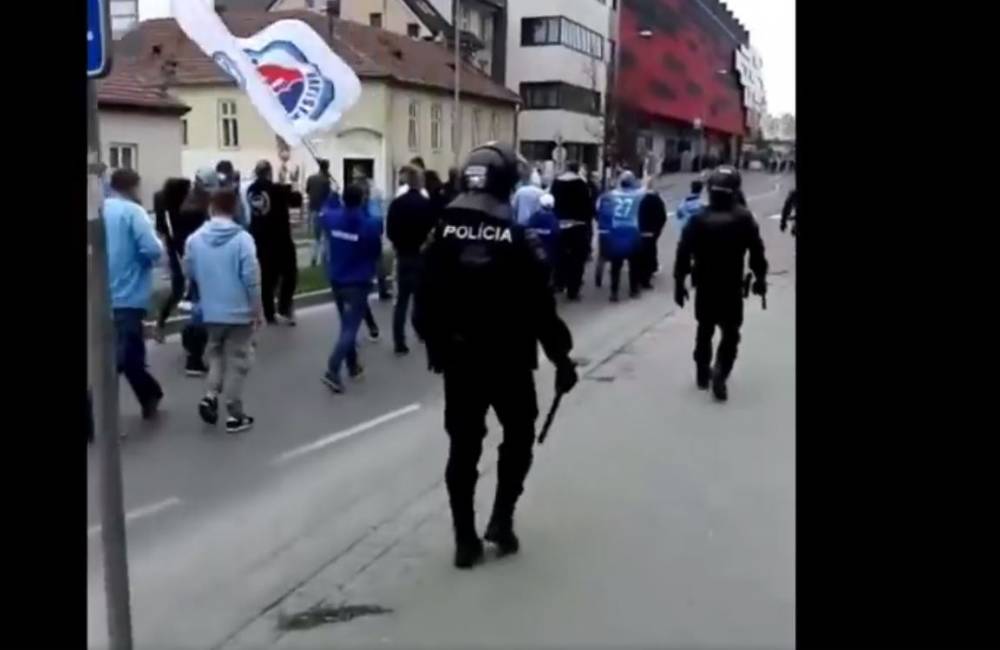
x,y
675,73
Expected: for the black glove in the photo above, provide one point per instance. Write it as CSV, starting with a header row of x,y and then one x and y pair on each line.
x,y
783,226
565,376
680,294
759,287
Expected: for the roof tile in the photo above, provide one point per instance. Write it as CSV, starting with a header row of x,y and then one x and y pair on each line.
x,y
370,52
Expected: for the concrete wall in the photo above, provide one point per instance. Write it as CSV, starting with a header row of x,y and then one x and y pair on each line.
x,y
376,127
158,141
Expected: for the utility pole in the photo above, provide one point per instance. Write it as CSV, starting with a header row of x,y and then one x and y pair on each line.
x,y
102,369
458,77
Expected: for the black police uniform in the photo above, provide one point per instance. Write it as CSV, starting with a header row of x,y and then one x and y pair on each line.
x,y
271,229
789,212
483,303
717,241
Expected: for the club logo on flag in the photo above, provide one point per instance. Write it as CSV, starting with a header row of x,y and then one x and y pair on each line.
x,y
298,83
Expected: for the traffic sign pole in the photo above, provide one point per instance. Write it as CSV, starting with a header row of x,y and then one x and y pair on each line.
x,y
102,370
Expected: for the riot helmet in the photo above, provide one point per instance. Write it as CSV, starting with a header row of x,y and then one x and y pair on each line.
x,y
725,179
491,169
724,188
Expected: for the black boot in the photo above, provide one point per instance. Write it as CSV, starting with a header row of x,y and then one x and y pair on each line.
x,y
703,377
468,552
500,531
719,384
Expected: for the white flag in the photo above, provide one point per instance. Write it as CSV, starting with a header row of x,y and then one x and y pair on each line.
x,y
292,77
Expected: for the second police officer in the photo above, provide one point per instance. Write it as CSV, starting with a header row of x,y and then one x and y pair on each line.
x,y
716,241
483,304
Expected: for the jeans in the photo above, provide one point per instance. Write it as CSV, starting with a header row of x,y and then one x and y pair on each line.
x,y
130,353
230,356
319,242
407,274
352,301
633,274
279,274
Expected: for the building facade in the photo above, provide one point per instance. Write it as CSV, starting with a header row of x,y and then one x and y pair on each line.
x,y
141,128
558,56
689,86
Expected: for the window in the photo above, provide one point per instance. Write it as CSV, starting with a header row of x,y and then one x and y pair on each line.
x,y
494,126
123,156
184,131
488,32
413,132
557,94
375,20
535,150
413,30
466,18
124,16
539,31
477,120
229,128
436,116
554,30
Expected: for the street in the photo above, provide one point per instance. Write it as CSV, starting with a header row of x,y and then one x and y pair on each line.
x,y
652,515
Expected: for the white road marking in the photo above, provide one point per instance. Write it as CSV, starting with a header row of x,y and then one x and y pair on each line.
x,y
138,513
775,217
343,435
771,192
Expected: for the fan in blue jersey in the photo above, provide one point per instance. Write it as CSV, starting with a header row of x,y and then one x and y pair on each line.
x,y
618,223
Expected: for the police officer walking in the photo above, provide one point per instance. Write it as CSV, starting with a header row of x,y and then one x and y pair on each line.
x,y
717,241
483,304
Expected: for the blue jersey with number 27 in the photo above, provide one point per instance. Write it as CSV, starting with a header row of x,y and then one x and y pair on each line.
x,y
618,222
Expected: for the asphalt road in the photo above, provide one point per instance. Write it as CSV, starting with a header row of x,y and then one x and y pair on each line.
x,y
221,527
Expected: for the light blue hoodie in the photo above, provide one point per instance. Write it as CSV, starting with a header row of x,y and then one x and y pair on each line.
x,y
222,259
133,249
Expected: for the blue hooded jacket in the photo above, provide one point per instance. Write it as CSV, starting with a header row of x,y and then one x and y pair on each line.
x,y
133,249
618,222
689,207
545,224
354,243
222,259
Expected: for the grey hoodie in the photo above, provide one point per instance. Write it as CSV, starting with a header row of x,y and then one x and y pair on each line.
x,y
222,259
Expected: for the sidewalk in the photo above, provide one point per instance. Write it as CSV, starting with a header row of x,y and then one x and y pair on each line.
x,y
653,517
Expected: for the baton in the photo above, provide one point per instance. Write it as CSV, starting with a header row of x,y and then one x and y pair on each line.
x,y
551,416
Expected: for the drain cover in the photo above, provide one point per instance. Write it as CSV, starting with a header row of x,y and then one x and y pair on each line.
x,y
324,615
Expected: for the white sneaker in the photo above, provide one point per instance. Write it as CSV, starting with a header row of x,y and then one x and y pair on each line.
x,y
184,305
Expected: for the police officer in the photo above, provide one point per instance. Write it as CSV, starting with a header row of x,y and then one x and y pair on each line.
x,y
716,241
480,267
618,226
790,212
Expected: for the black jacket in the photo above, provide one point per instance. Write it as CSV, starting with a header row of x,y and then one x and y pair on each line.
x,y
318,188
167,206
717,242
411,217
485,296
270,205
573,199
652,214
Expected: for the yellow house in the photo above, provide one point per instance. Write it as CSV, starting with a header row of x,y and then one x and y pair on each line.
x,y
406,107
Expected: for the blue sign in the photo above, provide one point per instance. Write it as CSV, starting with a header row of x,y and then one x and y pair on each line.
x,y
98,39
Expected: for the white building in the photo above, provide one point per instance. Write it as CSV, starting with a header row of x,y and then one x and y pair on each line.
x,y
124,16
557,60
